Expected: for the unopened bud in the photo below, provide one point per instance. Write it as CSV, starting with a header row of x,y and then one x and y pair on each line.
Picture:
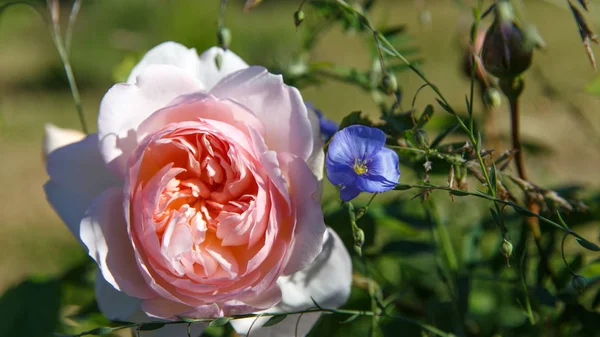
x,y
389,84
359,240
298,17
421,138
224,37
492,98
579,283
507,248
505,52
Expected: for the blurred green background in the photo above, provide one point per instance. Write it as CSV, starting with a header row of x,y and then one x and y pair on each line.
x,y
560,119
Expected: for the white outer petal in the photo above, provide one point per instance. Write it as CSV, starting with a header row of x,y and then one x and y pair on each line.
x,y
209,74
327,281
168,53
70,189
55,137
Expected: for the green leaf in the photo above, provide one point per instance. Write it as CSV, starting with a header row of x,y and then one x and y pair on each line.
x,y
353,118
274,320
445,107
493,177
350,319
402,187
588,245
30,309
219,321
151,326
425,116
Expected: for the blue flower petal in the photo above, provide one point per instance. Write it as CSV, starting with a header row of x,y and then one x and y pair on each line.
x,y
340,174
348,193
327,127
355,142
385,164
373,184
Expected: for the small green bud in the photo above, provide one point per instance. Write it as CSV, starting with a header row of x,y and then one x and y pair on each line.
x,y
224,37
507,248
298,17
579,283
389,84
492,98
219,61
359,240
421,138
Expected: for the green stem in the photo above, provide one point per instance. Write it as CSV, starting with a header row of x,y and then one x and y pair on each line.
x,y
64,56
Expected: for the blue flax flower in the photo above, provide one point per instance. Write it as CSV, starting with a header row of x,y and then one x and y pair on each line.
x,y
357,161
327,127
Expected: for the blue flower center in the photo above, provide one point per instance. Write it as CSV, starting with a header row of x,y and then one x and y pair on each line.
x,y
360,167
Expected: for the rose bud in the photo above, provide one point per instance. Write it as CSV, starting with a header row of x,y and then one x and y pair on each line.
x,y
505,52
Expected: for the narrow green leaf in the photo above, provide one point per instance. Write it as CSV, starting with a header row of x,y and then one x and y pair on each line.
x,y
350,319
445,107
588,245
493,177
274,320
221,321
425,116
402,187
315,302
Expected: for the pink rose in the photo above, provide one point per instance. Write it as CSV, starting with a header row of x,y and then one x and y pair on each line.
x,y
200,195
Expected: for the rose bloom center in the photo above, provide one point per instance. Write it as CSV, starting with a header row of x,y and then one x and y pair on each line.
x,y
205,235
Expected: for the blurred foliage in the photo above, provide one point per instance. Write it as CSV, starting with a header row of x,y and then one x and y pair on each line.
x,y
429,256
